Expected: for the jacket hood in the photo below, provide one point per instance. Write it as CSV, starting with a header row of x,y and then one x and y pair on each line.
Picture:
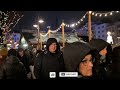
x,y
73,54
12,60
50,41
12,52
98,44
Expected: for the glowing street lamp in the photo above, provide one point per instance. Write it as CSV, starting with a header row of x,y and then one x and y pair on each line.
x,y
40,21
38,28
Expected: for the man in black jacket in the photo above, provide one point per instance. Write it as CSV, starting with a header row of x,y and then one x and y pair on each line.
x,y
48,61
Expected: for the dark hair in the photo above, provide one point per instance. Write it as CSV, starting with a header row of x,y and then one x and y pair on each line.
x,y
12,52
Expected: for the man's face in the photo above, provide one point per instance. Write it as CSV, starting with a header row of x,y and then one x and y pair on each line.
x,y
53,47
85,67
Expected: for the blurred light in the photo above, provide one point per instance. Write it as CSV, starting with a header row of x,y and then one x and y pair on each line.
x,y
100,15
108,33
23,40
90,12
111,13
109,38
25,45
15,42
9,44
17,45
8,48
93,13
35,26
40,21
72,25
105,14
10,41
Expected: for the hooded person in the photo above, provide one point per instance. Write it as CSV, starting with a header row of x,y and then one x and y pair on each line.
x,y
50,60
100,65
78,57
12,68
115,74
12,52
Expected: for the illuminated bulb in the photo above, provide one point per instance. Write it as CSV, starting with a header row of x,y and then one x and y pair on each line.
x,y
41,21
117,11
35,25
111,13
100,15
83,16
72,25
90,12
81,19
105,15
63,24
78,22
93,13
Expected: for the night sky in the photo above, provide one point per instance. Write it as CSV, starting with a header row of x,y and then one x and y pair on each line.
x,y
51,18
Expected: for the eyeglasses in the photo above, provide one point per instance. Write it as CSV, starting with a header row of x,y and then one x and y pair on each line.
x,y
85,61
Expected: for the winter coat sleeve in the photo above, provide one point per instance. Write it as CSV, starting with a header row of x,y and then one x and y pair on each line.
x,y
37,66
61,62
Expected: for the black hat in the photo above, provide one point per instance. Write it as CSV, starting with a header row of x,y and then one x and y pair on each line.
x,y
98,44
73,54
50,41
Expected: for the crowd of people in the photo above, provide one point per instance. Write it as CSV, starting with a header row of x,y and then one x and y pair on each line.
x,y
92,60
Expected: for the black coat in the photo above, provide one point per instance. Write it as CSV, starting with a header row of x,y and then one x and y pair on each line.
x,y
25,61
47,62
12,68
116,64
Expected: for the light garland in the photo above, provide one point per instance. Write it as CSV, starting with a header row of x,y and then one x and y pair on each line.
x,y
44,34
8,20
78,22
81,20
104,14
16,22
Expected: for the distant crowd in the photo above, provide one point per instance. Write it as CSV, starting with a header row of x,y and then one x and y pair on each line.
x,y
91,60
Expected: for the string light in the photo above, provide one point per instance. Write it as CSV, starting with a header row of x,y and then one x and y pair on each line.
x,y
78,22
111,13
104,14
82,19
9,19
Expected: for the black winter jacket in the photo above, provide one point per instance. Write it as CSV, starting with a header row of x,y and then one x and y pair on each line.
x,y
47,62
12,68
